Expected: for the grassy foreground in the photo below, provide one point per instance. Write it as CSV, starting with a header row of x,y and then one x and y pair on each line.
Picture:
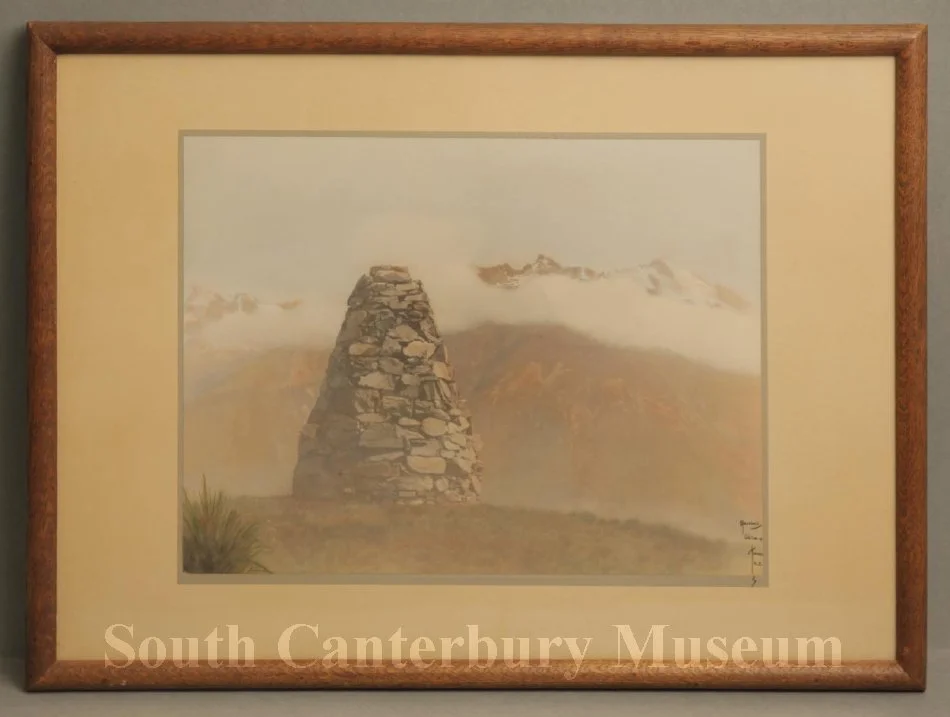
x,y
313,537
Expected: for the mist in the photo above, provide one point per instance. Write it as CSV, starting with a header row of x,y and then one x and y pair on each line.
x,y
288,218
615,311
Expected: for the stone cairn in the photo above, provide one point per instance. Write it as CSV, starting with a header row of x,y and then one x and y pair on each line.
x,y
389,425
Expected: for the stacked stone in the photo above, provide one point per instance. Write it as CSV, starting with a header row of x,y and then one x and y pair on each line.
x,y
389,424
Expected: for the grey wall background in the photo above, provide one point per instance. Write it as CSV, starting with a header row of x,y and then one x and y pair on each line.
x,y
13,66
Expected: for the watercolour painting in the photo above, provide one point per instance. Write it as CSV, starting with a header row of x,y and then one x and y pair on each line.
x,y
473,358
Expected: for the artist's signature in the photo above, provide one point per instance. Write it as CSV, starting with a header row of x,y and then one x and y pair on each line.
x,y
752,534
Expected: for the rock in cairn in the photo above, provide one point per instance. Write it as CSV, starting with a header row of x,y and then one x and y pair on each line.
x,y
389,425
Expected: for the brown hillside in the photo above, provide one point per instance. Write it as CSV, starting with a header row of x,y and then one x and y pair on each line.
x,y
567,423
242,421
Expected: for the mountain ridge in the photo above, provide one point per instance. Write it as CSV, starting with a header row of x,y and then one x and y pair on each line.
x,y
568,424
657,278
203,307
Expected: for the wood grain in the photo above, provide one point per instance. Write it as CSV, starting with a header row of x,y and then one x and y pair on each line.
x,y
907,43
556,674
486,39
41,347
911,356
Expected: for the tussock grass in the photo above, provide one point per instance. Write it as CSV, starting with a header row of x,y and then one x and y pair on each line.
x,y
217,538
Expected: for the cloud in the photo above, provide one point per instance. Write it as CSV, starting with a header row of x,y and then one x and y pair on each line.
x,y
615,311
271,326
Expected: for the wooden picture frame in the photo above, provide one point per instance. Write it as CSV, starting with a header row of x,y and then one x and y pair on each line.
x,y
907,44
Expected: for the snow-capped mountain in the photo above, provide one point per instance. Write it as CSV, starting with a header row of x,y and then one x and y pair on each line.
x,y
658,278
508,277
207,310
654,306
204,307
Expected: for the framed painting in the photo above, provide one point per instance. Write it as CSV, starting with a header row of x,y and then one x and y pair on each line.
x,y
397,355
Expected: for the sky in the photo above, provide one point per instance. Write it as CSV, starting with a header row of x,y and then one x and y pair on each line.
x,y
280,212
302,217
